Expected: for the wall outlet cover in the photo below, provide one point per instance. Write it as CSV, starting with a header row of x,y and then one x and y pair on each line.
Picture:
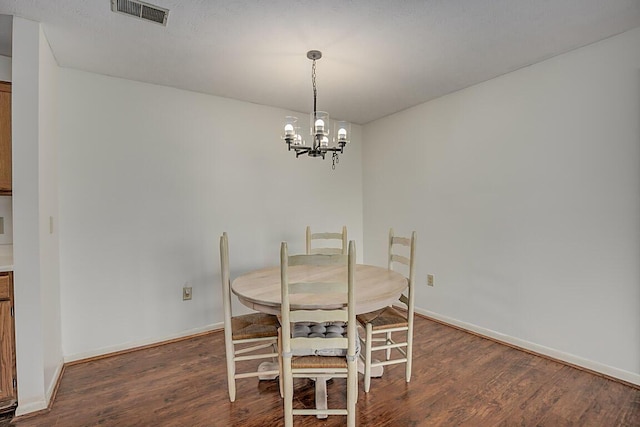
x,y
430,279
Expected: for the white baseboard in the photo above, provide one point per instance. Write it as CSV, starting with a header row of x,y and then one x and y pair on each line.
x,y
135,344
621,374
30,406
40,404
54,382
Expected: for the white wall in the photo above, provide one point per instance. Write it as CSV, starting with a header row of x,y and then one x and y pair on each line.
x,y
5,68
525,192
150,177
48,216
26,245
37,289
6,212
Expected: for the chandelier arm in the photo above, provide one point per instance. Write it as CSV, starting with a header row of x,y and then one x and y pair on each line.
x,y
300,152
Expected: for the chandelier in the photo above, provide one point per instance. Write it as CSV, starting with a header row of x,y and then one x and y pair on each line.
x,y
320,128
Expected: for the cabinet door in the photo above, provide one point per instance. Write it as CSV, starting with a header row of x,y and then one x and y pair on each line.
x,y
7,353
5,138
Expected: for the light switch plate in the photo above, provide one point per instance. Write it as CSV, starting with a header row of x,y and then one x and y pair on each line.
x,y
1,225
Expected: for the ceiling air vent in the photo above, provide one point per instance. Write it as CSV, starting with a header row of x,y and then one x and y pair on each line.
x,y
141,10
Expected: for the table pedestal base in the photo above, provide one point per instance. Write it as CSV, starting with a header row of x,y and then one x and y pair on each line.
x,y
268,366
321,396
376,371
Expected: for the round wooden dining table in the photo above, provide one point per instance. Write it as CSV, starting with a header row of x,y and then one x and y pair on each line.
x,y
374,287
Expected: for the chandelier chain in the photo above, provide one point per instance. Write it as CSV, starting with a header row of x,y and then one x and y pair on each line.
x,y
313,81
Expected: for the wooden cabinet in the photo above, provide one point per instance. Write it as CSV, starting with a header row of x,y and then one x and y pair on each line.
x,y
5,138
8,385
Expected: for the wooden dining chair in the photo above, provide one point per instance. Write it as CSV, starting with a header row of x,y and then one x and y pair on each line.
x,y
326,238
246,337
318,355
391,320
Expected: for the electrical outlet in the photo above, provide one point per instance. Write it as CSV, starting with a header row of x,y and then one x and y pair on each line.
x,y
186,293
430,279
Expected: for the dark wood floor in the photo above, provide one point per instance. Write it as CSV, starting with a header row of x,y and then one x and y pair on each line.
x,y
458,379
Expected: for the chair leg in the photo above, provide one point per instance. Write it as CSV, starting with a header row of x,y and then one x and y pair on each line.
x,y
288,393
230,356
388,341
352,393
367,358
409,355
231,380
280,383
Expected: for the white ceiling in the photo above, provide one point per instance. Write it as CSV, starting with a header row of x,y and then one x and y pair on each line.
x,y
379,56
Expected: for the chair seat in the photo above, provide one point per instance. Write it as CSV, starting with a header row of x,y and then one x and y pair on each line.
x,y
254,325
385,318
318,362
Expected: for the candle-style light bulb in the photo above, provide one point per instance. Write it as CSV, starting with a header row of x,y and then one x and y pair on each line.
x,y
288,129
319,125
324,142
342,134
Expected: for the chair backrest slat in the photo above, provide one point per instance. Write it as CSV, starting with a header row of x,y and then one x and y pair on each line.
x,y
319,343
342,237
317,259
337,236
405,241
401,259
326,251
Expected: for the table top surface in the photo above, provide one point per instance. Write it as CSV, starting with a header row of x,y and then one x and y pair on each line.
x,y
375,287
